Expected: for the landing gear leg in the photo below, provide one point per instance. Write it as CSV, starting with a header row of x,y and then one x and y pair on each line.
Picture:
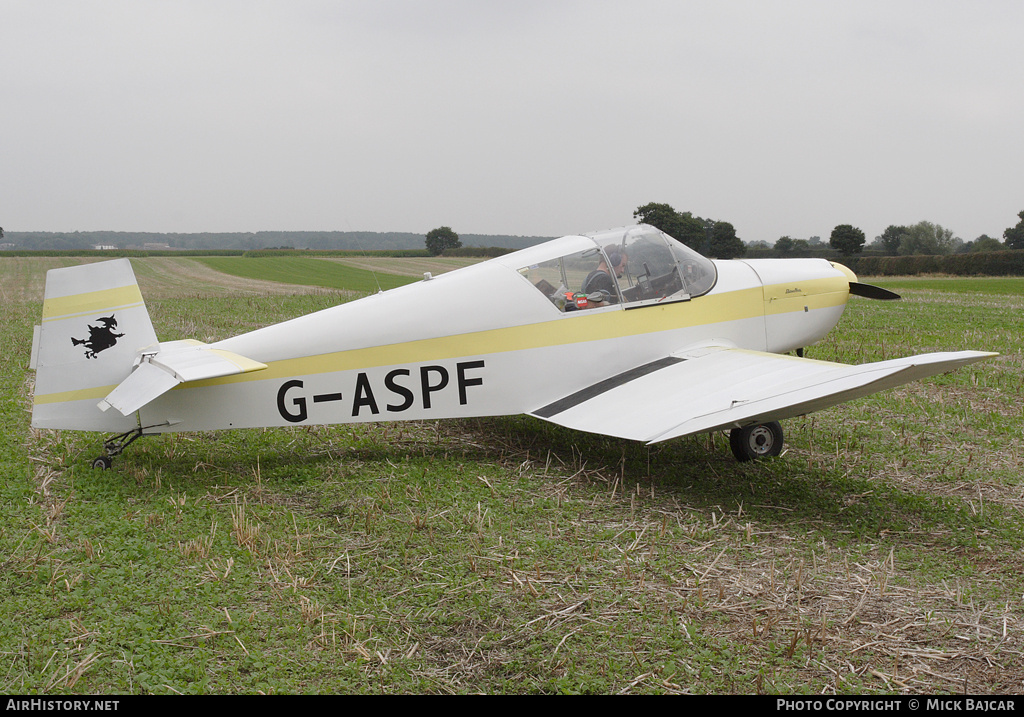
x,y
759,441
114,446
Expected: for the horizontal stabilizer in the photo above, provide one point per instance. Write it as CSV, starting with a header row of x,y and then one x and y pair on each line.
x,y
175,362
144,384
716,388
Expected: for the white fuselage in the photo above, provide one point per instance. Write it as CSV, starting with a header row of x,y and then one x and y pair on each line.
x,y
484,341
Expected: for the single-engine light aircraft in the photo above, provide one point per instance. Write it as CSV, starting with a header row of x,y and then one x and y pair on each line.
x,y
626,332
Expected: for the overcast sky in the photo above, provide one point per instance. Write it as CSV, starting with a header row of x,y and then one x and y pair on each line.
x,y
527,117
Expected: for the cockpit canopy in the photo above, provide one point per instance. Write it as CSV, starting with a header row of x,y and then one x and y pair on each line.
x,y
635,266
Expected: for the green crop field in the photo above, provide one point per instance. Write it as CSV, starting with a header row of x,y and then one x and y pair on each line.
x,y
1004,285
306,270
881,553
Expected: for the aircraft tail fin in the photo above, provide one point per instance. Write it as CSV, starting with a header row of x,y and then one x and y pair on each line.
x,y
94,325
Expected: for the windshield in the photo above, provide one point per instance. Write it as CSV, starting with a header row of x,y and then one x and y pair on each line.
x,y
654,266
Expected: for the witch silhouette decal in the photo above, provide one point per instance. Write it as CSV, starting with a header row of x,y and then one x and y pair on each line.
x,y
100,337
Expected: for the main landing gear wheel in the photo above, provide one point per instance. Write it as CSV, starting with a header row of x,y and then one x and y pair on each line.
x,y
759,441
102,463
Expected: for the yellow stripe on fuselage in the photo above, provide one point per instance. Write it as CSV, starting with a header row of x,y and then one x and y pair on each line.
x,y
579,327
241,362
565,329
79,394
90,302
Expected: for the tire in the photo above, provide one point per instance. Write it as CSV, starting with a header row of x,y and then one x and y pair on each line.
x,y
102,463
763,440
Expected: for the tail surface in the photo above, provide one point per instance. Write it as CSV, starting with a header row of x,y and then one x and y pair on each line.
x,y
94,325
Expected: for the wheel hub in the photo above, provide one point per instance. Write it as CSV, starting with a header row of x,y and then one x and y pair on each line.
x,y
761,440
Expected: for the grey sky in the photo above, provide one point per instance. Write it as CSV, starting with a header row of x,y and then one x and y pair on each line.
x,y
524,117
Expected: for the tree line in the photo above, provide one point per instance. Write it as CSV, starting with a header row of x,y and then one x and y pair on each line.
x,y
713,238
923,238
928,238
718,239
247,241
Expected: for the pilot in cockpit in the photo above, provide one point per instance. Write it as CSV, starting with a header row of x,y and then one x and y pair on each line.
x,y
601,279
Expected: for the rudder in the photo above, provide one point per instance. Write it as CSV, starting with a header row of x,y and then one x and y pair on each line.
x,y
94,324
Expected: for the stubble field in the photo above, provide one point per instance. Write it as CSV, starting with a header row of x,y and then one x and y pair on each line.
x,y
881,553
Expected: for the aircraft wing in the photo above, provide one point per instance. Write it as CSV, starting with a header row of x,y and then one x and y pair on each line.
x,y
175,362
713,388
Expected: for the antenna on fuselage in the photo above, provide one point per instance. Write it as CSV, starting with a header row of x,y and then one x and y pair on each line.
x,y
380,290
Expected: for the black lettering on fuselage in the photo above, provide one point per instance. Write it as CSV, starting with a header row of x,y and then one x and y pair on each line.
x,y
405,393
461,369
293,405
364,396
326,397
299,403
429,388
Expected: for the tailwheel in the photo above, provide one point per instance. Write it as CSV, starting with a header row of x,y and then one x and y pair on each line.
x,y
114,446
758,441
102,463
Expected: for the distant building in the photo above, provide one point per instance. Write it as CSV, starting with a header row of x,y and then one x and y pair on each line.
x,y
103,247
157,246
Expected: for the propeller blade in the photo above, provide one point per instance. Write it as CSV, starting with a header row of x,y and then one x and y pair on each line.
x,y
872,292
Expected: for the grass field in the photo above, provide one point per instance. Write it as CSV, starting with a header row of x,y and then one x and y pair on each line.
x,y
307,270
881,553
1002,285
